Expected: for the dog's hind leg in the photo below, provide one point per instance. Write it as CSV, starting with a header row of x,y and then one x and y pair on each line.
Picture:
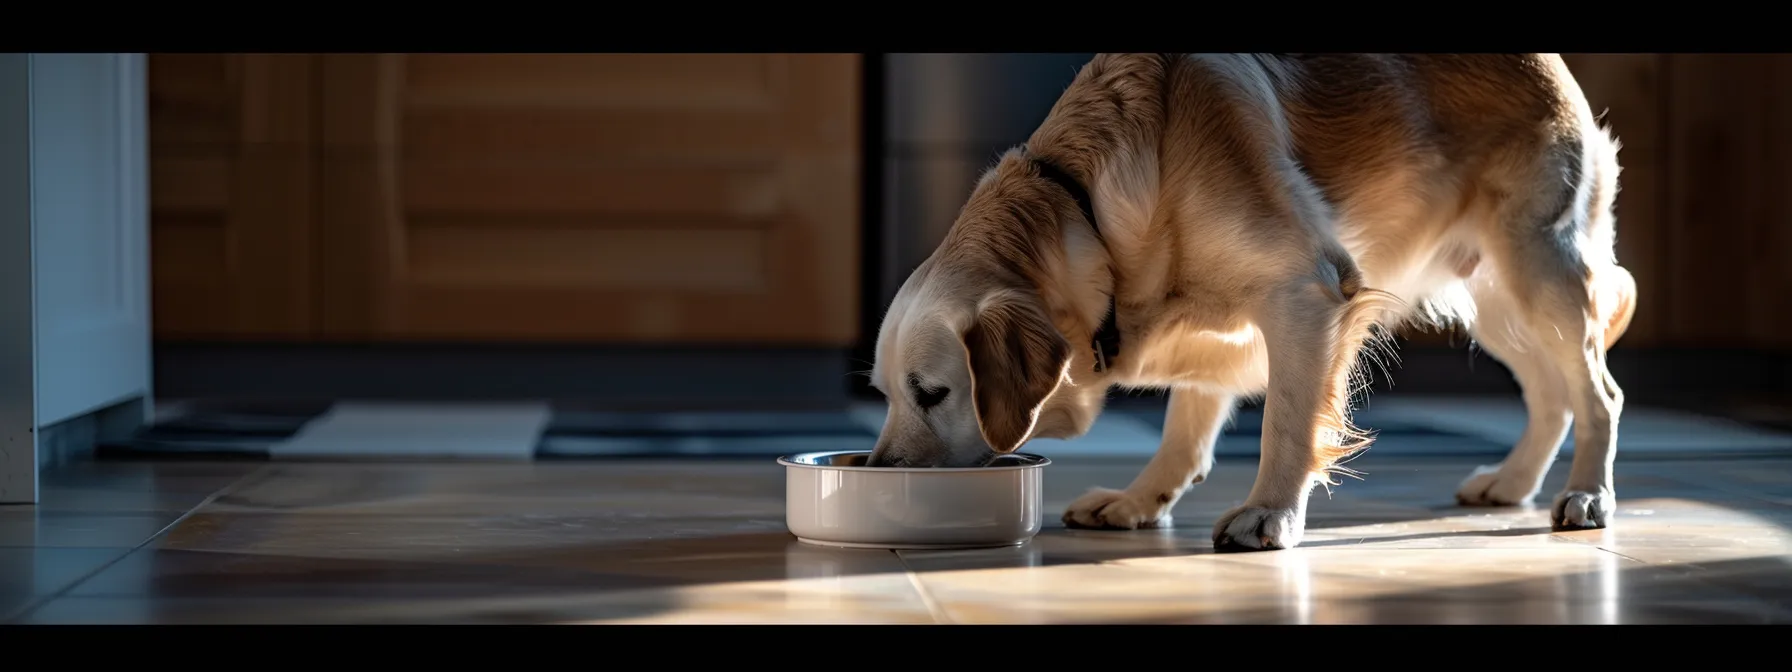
x,y
1552,256
1192,424
1565,303
1501,330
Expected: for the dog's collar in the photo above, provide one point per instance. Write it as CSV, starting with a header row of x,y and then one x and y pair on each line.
x,y
1106,343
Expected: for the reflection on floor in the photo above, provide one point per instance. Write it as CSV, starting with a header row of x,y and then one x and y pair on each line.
x,y
1697,540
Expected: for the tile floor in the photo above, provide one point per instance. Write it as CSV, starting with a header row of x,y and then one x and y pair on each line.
x,y
1697,540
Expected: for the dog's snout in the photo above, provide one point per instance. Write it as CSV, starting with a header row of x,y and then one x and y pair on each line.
x,y
882,459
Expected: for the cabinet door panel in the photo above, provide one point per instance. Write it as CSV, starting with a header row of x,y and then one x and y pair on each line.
x,y
231,195
591,197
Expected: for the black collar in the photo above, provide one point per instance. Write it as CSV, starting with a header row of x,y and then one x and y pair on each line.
x,y
1106,343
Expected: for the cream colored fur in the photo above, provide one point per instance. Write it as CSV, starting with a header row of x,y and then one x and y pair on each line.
x,y
1264,219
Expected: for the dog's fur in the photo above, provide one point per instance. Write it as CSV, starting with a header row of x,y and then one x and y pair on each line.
x,y
1261,219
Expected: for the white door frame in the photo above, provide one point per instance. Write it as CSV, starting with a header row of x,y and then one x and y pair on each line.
x,y
42,389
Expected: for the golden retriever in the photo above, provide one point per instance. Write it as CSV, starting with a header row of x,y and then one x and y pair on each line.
x,y
1245,225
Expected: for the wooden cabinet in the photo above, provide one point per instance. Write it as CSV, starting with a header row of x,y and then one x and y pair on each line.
x,y
1726,248
487,197
232,196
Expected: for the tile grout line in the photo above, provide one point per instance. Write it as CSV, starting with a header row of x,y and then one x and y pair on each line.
x,y
940,617
33,606
1621,555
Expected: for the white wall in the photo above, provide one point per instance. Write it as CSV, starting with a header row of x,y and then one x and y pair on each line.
x,y
74,263
18,408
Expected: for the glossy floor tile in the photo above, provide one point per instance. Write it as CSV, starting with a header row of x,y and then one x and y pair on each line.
x,y
27,528
136,487
878,599
1702,540
28,575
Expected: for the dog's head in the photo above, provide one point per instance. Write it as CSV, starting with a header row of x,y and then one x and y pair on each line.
x,y
974,355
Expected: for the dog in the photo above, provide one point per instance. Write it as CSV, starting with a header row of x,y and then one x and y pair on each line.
x,y
1233,226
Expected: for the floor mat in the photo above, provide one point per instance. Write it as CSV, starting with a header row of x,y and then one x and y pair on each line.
x,y
575,434
205,430
387,430
1135,432
1130,428
1641,429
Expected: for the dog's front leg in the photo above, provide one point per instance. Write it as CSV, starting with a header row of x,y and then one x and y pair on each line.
x,y
1191,425
1312,336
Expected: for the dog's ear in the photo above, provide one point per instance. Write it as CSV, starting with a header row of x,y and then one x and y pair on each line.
x,y
1017,359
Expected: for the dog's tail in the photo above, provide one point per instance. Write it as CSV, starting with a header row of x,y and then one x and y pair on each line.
x,y
1614,292
1361,340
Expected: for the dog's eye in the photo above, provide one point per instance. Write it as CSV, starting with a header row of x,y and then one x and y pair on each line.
x,y
926,397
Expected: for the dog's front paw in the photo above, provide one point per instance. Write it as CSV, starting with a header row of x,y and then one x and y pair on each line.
x,y
1490,486
1582,509
1104,509
1255,528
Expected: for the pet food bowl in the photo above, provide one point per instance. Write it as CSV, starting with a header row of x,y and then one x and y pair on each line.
x,y
833,499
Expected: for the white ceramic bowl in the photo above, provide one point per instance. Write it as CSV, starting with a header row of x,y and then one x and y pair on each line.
x,y
833,499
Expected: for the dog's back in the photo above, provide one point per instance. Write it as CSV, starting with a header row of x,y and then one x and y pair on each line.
x,y
1410,158
1415,157
1459,115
